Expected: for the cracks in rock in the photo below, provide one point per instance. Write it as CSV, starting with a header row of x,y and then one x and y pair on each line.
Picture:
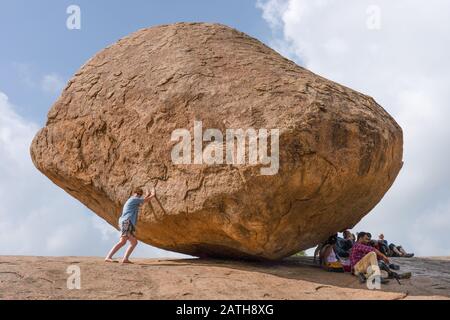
x,y
200,185
286,213
48,280
278,223
211,36
132,77
12,272
317,192
198,96
91,65
163,177
321,287
155,214
168,40
165,81
403,296
94,94
80,150
241,175
210,75
112,152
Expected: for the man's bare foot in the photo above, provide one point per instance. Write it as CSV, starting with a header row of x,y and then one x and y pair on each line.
x,y
109,260
126,262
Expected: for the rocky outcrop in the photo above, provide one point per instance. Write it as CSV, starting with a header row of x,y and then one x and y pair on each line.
x,y
115,127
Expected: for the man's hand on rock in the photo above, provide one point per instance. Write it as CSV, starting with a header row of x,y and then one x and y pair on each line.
x,y
150,195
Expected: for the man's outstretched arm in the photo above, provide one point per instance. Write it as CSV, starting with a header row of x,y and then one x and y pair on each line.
x,y
381,255
150,195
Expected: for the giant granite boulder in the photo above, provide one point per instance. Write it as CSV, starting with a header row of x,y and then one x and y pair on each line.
x,y
119,122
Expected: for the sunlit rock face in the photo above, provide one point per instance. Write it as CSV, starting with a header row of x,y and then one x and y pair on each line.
x,y
113,127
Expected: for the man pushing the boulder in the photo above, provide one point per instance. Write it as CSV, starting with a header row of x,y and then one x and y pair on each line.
x,y
127,223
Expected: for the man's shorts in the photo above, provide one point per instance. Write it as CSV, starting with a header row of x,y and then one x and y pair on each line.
x,y
127,228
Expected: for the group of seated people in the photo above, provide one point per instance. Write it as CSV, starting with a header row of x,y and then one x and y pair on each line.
x,y
361,255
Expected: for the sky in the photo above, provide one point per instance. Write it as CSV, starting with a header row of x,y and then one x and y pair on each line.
x,y
395,51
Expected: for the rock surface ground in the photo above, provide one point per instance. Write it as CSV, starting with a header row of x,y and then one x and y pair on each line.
x,y
293,278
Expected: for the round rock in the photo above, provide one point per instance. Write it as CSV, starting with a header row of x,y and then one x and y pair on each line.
x,y
329,156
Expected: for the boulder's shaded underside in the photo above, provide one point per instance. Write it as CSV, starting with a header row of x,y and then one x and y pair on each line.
x,y
111,131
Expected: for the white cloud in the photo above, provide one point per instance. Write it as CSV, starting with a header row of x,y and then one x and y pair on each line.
x,y
52,83
37,217
25,73
404,65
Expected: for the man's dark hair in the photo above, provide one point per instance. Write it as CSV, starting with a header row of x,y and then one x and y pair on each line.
x,y
369,235
361,235
332,239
